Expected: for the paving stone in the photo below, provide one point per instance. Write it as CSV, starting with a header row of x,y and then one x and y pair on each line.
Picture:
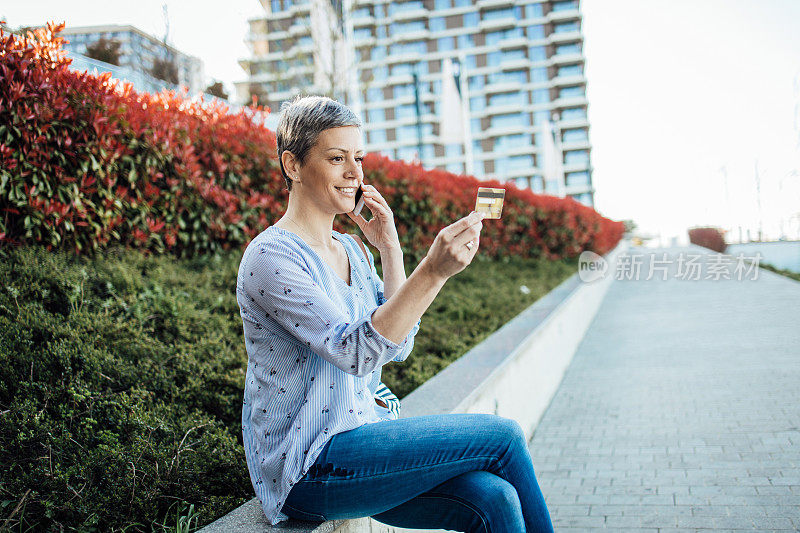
x,y
680,410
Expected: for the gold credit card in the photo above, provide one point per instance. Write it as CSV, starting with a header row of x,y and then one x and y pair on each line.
x,y
490,201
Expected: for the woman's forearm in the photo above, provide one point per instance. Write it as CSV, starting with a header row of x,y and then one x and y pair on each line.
x,y
394,272
395,318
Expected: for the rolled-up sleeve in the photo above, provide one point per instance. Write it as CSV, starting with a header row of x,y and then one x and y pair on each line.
x,y
408,342
278,280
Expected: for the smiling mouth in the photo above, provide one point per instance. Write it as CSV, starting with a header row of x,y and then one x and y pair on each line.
x,y
347,190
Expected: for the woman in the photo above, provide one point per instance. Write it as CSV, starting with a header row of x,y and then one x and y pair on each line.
x,y
319,324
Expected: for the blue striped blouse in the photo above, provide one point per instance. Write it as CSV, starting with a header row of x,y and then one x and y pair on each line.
x,y
314,358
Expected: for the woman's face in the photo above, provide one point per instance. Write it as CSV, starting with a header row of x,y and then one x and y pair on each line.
x,y
332,171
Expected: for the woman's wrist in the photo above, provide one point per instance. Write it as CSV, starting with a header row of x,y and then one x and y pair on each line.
x,y
391,251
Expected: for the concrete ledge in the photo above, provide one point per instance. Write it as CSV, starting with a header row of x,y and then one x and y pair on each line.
x,y
514,373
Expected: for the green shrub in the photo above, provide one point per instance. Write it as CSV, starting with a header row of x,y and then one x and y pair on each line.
x,y
121,380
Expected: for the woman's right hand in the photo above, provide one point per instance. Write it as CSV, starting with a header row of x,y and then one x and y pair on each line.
x,y
449,253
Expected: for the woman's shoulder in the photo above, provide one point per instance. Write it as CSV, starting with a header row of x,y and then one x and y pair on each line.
x,y
270,240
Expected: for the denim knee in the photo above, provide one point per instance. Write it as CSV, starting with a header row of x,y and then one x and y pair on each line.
x,y
506,428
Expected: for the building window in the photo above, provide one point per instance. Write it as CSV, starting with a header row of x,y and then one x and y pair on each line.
x,y
378,53
507,142
360,34
501,56
453,150
577,179
406,133
443,4
466,41
535,32
576,135
514,163
475,83
533,11
377,136
570,70
576,157
565,6
401,69
512,76
584,198
571,48
477,103
537,53
495,37
506,99
509,120
402,91
541,96
436,24
400,7
406,27
276,6
573,113
539,75
362,12
407,153
506,12
575,91
377,115
539,118
445,44
409,48
455,168
565,27
405,111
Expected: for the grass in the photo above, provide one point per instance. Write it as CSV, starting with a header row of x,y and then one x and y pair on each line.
x,y
121,381
783,272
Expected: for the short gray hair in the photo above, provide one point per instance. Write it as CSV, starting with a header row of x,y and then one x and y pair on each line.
x,y
301,121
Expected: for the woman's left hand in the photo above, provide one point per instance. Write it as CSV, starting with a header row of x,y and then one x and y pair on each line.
x,y
379,230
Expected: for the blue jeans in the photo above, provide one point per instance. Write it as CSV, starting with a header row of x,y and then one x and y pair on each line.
x,y
463,472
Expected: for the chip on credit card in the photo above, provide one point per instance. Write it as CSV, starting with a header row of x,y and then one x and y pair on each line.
x,y
490,201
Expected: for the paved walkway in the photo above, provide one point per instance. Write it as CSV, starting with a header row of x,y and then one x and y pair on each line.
x,y
681,408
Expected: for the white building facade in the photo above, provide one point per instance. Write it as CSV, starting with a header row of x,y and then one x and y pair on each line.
x,y
521,67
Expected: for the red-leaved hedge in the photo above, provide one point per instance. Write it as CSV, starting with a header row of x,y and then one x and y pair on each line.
x,y
86,161
711,238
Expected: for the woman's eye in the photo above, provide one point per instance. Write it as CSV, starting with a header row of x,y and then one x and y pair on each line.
x,y
338,158
360,159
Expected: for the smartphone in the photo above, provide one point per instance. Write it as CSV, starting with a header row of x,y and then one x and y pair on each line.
x,y
359,202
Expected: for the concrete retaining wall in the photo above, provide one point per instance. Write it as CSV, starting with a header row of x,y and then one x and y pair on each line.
x,y
514,373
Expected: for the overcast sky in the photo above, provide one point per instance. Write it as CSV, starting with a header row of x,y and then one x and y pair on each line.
x,y
681,93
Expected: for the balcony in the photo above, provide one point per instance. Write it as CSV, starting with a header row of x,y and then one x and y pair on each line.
x,y
573,123
565,37
363,20
571,101
515,64
410,14
564,16
416,35
576,145
579,79
567,58
499,87
484,4
497,24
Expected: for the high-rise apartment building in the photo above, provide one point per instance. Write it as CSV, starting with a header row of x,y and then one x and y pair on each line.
x,y
522,81
139,51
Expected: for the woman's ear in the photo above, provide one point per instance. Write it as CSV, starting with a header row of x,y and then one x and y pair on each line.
x,y
290,165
